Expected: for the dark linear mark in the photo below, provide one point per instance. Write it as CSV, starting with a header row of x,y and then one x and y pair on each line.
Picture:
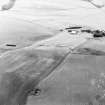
x,y
12,45
73,27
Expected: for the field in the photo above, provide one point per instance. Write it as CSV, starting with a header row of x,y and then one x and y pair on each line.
x,y
73,82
